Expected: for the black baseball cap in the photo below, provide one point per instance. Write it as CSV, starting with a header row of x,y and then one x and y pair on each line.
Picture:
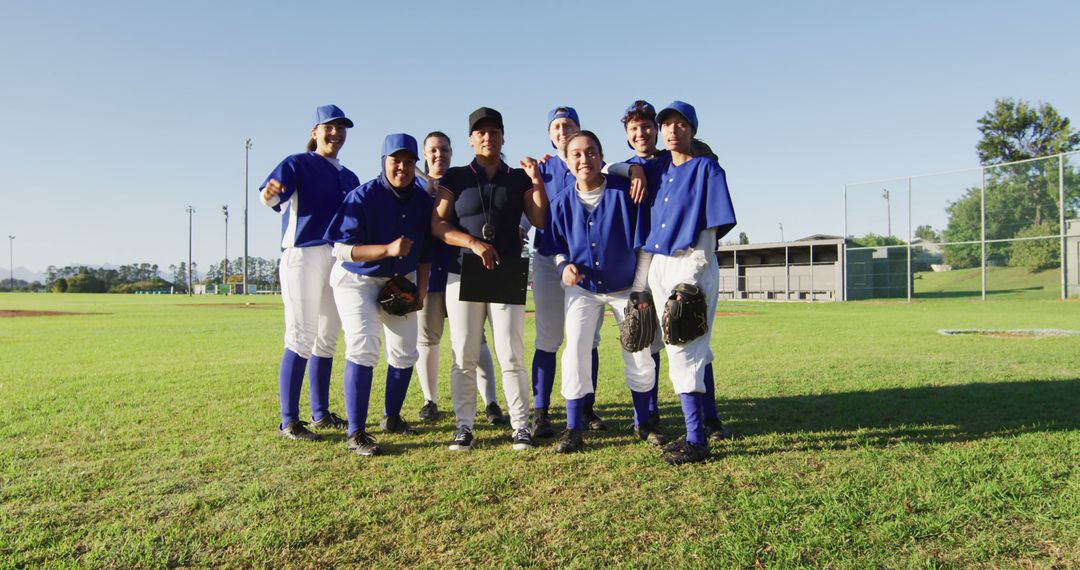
x,y
485,113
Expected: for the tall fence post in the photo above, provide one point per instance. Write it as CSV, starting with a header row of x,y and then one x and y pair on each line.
x,y
910,279
1061,227
843,249
982,227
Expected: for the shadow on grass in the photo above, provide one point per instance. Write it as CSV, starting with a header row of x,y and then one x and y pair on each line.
x,y
932,414
972,293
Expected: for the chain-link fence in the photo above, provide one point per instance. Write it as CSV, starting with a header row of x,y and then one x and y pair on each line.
x,y
1002,230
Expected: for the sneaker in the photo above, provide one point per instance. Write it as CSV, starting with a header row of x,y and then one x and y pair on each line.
x,y
298,430
330,421
361,443
429,412
494,414
569,442
595,423
463,440
395,424
541,423
523,439
649,433
686,452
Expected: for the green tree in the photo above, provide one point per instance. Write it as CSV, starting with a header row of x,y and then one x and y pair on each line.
x,y
875,240
1016,130
743,238
1036,254
927,233
58,285
85,283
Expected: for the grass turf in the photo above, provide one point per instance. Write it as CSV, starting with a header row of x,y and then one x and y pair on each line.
x,y
144,436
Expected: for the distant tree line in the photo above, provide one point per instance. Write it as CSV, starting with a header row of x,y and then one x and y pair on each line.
x,y
147,277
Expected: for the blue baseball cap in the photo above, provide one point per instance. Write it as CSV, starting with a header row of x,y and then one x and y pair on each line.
x,y
563,113
398,142
684,109
331,113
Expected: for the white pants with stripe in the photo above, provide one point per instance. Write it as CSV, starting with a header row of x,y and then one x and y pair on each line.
x,y
550,299
311,318
357,300
584,309
507,332
686,363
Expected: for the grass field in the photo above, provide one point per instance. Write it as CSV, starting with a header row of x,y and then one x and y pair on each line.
x,y
1001,282
143,435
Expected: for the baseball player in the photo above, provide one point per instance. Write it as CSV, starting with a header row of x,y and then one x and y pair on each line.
x,y
691,210
595,232
381,231
307,189
548,296
639,121
437,154
478,210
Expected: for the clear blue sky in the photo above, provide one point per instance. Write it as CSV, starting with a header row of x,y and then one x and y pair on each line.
x,y
117,115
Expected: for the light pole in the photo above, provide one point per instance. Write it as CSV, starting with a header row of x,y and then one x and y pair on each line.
x,y
247,148
11,262
781,231
888,208
225,263
190,211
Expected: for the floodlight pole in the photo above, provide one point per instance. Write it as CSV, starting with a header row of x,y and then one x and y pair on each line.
x,y
225,263
888,210
247,148
11,262
190,211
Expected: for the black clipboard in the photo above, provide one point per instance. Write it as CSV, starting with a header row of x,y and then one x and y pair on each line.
x,y
506,283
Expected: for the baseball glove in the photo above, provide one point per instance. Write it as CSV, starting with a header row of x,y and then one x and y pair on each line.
x,y
685,314
639,324
399,296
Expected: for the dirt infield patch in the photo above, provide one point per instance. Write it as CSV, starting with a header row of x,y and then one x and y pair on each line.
x,y
1005,333
232,306
13,313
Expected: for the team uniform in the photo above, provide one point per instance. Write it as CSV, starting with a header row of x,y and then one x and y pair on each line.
x,y
432,318
599,232
691,210
377,213
314,187
479,201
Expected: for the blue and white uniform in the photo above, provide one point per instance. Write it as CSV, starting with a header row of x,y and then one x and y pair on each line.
x,y
374,214
432,319
314,186
599,232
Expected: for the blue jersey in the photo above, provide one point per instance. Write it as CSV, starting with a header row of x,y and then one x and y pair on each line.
x,y
601,243
690,198
557,178
375,214
440,253
314,189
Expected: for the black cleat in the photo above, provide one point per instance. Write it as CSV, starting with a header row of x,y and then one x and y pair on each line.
x,y
686,452
463,440
654,419
494,414
717,431
674,444
541,423
649,433
569,442
330,421
298,430
429,412
522,439
361,443
395,424
595,423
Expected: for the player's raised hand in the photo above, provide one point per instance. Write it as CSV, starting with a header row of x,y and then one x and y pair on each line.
x,y
545,158
571,276
272,188
532,168
399,247
638,187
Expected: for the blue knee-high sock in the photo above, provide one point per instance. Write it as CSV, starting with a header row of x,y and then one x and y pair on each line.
x,y
357,393
575,414
397,385
591,398
654,393
319,371
543,373
710,396
290,380
641,407
692,414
